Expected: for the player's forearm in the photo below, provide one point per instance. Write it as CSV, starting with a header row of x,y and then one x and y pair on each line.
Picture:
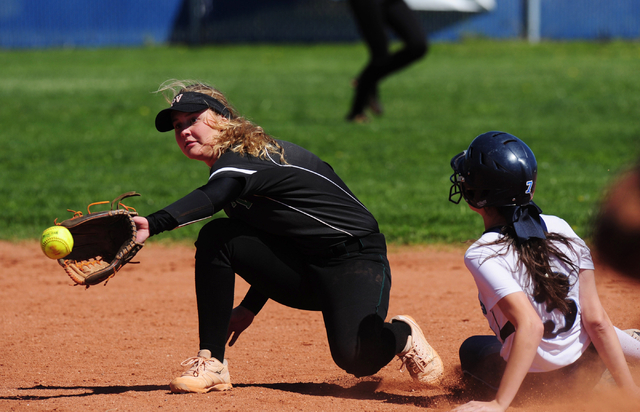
x,y
606,342
525,344
601,331
198,205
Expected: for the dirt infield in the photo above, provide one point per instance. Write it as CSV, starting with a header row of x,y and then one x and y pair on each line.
x,y
116,347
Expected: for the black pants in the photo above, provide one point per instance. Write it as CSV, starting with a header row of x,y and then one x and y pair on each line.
x,y
373,17
351,290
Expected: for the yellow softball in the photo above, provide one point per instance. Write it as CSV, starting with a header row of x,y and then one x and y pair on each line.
x,y
56,242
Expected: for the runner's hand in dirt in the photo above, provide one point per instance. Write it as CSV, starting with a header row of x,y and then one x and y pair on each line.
x,y
632,392
492,406
241,318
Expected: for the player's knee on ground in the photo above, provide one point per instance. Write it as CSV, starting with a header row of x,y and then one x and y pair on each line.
x,y
356,366
366,353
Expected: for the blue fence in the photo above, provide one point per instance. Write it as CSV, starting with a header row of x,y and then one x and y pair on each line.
x,y
100,23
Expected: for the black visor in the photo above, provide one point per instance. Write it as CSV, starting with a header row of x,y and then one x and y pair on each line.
x,y
189,102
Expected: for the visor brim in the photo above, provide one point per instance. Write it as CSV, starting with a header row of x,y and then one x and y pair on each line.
x,y
164,122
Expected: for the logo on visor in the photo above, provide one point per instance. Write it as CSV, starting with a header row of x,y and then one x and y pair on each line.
x,y
176,99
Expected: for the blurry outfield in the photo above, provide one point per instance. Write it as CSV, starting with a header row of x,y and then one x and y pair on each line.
x,y
77,125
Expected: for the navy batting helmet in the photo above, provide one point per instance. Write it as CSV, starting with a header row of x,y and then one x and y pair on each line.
x,y
497,169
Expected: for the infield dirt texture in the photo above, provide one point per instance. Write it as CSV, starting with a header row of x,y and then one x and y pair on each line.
x,y
116,347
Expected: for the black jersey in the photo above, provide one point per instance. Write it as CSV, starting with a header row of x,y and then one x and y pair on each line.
x,y
303,199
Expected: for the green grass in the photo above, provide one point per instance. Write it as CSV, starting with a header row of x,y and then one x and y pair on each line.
x,y
77,125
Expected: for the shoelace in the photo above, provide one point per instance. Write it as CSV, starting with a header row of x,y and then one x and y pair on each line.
x,y
416,361
199,365
413,362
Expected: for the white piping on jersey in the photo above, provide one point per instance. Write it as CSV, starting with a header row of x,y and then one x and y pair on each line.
x,y
322,176
311,216
232,169
250,172
194,221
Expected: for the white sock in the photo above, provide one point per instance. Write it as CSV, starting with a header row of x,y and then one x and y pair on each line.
x,y
630,346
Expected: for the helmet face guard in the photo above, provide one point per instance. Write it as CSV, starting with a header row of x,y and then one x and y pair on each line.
x,y
455,191
497,169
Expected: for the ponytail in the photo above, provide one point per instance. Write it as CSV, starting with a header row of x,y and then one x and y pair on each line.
x,y
535,254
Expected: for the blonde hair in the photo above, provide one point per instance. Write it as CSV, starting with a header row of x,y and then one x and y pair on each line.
x,y
238,134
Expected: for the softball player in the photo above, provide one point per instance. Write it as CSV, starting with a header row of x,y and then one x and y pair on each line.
x,y
373,18
536,284
294,232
